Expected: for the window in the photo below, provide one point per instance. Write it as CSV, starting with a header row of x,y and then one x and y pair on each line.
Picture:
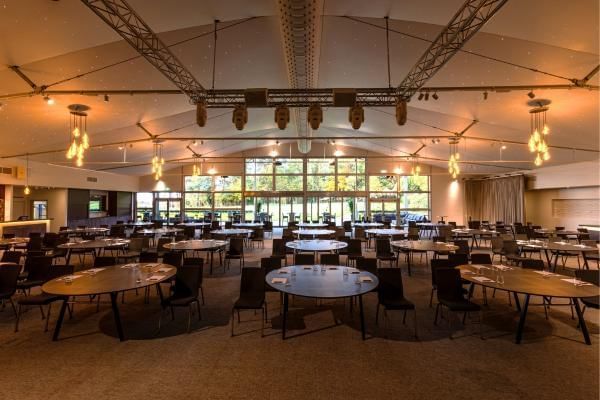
x,y
228,183
383,183
321,166
198,183
320,183
259,166
198,200
351,183
351,165
144,203
259,183
288,183
285,166
228,200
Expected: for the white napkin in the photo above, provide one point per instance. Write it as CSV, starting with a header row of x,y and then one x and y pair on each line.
x,y
284,270
483,279
279,280
93,270
163,269
151,265
545,273
366,279
129,266
503,267
69,277
576,282
155,278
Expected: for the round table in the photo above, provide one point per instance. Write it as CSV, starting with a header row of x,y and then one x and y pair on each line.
x,y
386,232
138,223
316,245
231,232
313,232
560,233
194,224
198,245
313,225
474,234
93,245
249,225
108,280
159,231
412,246
83,231
13,241
531,283
324,283
367,224
552,249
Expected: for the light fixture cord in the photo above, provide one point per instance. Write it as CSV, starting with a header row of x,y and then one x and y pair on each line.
x,y
387,42
214,55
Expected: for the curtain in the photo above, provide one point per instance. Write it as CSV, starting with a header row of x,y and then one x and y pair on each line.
x,y
498,199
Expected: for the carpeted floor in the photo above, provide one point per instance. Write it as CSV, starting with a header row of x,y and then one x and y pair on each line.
x,y
325,358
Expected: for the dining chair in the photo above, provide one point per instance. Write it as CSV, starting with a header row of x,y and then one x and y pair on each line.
x,y
354,250
235,251
390,296
304,259
252,296
481,258
330,259
9,274
383,251
185,292
436,264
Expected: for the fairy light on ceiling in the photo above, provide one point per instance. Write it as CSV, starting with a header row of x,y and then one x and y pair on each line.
x,y
78,136
539,130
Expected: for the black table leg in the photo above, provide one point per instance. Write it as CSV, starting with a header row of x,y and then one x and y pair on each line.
x,y
211,254
522,320
582,325
362,317
285,312
117,316
61,317
517,302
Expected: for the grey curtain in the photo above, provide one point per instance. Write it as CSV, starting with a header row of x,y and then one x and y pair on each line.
x,y
498,199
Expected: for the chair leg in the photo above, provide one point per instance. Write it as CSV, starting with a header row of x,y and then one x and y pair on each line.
x,y
376,314
13,306
431,298
262,321
47,317
437,308
189,324
18,315
162,310
232,320
415,321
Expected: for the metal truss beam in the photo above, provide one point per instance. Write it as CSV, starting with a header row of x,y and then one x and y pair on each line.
x,y
471,17
124,20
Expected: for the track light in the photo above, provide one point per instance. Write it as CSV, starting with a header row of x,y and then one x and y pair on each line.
x,y
195,143
435,141
338,153
201,114
273,153
282,116
427,96
485,95
49,100
277,143
240,116
401,112
421,95
356,116
315,116
531,94
106,98
435,96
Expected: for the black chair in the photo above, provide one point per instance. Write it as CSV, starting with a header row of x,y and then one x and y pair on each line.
x,y
457,259
252,295
304,259
189,232
38,268
436,264
235,251
497,247
463,247
160,249
278,250
450,295
512,252
390,295
195,261
104,261
269,264
532,263
383,251
481,258
173,258
258,236
185,292
368,264
44,299
148,257
9,274
591,276
354,250
13,257
330,259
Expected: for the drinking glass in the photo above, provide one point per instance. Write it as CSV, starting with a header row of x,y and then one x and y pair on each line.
x,y
500,278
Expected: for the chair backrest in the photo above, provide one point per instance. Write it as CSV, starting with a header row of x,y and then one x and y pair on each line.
x,y
179,238
448,283
215,224
436,264
252,282
587,275
347,226
481,258
139,243
510,247
11,257
236,246
228,224
330,259
173,258
439,238
189,232
497,243
463,246
188,280
148,257
9,273
161,242
359,232
38,267
56,271
49,239
195,262
383,247
390,284
268,226
304,259
368,264
354,247
258,234
269,264
457,259
104,261
278,247
533,263
35,243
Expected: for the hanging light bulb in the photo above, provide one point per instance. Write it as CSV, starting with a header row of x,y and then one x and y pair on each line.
x,y
27,191
537,141
79,139
212,170
453,168
157,161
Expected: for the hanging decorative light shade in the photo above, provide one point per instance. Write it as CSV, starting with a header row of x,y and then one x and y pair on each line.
x,y
27,191
314,116
240,116
201,114
539,130
197,167
453,167
157,160
401,112
304,146
79,140
415,169
356,116
282,116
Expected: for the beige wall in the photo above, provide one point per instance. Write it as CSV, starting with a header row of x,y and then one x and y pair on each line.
x,y
57,205
447,198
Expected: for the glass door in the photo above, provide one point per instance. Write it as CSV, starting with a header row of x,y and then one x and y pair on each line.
x,y
274,210
40,209
168,210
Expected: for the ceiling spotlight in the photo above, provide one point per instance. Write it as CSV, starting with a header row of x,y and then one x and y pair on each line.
x,y
106,98
240,116
426,96
421,95
338,153
315,116
49,100
277,143
201,113
121,147
356,116
401,112
531,94
383,171
195,143
282,116
212,170
435,96
273,153
398,170
503,147
485,95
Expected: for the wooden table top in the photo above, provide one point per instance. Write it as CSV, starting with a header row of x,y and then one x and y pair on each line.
x,y
527,281
94,244
424,245
13,241
312,281
560,232
475,232
556,246
84,230
316,245
195,245
195,224
367,224
110,279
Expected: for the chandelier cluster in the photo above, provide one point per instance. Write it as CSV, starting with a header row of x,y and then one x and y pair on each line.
x,y
157,161
453,167
539,131
197,167
415,169
78,137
